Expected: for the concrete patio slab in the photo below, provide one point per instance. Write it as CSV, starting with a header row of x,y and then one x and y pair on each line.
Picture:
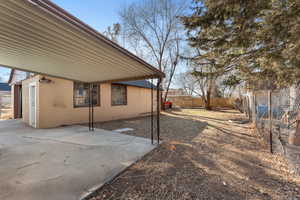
x,y
63,163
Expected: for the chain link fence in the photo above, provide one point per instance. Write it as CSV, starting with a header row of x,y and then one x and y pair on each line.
x,y
276,115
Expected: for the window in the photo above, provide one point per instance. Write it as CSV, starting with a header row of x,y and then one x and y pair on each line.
x,y
81,95
118,95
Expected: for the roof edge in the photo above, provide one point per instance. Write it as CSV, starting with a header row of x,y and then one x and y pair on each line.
x,y
94,82
12,72
61,13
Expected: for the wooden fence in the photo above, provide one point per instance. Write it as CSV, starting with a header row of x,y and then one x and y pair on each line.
x,y
193,102
5,99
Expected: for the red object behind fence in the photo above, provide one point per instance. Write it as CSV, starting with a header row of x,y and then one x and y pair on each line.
x,y
168,104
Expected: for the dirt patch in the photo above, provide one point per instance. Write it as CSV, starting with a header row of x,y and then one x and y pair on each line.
x,y
190,128
206,155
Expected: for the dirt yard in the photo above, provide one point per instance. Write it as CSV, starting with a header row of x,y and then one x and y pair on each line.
x,y
205,155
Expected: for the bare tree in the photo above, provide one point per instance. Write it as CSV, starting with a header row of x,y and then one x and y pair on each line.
x,y
174,59
154,26
113,32
188,83
207,77
194,83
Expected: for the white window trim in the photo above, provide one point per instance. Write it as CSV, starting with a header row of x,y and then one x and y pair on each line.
x,y
35,118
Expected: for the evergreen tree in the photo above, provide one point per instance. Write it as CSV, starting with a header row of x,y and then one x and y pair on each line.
x,y
250,39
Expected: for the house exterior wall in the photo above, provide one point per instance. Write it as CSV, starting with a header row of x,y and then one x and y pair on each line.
x,y
55,104
175,92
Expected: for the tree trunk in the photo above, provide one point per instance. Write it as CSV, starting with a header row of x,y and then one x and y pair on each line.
x,y
208,95
207,102
167,92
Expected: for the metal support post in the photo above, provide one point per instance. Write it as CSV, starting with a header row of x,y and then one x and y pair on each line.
x,y
158,109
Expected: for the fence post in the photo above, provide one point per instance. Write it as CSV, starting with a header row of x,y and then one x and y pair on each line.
x,y
270,119
254,109
249,109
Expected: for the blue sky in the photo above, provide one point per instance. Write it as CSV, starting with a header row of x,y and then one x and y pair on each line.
x,y
97,13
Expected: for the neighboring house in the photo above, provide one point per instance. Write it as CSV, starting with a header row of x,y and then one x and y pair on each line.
x,y
63,102
176,92
5,89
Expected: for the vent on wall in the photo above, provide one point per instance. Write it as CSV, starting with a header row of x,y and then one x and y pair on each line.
x,y
45,80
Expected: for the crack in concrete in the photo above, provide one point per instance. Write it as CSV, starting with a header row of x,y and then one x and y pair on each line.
x,y
28,165
54,140
51,179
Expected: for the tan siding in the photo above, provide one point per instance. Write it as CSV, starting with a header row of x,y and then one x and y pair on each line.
x,y
55,104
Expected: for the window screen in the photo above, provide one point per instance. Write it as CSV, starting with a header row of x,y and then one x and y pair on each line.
x,y
118,95
81,95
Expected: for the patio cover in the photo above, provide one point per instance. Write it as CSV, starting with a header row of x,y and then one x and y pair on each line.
x,y
38,36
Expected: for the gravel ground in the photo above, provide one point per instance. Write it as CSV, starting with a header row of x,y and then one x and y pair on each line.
x,y
205,155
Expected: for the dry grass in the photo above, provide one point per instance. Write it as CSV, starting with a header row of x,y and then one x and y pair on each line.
x,y
205,156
